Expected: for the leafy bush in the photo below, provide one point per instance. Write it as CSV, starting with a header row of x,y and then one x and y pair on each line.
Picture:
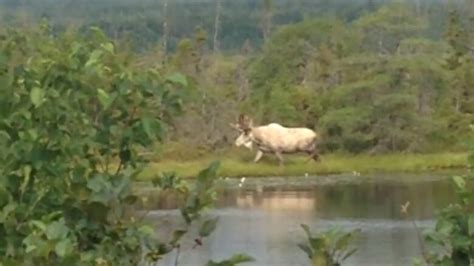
x,y
452,240
74,114
329,248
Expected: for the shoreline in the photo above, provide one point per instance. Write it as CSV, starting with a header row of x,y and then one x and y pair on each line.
x,y
331,164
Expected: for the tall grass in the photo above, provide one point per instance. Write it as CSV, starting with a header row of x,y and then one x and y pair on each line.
x,y
240,164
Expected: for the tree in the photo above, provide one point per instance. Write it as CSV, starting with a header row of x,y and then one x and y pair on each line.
x,y
215,41
165,30
267,19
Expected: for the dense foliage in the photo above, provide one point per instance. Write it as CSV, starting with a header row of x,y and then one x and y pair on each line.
x,y
373,85
75,112
240,21
329,248
369,76
379,83
452,240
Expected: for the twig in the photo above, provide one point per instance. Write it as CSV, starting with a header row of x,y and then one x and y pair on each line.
x,y
119,167
404,210
178,249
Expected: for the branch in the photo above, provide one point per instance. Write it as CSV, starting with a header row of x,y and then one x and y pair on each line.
x,y
404,211
178,249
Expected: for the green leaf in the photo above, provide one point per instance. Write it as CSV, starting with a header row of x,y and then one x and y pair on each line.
x,y
444,227
94,58
208,227
164,248
319,243
186,216
178,78
4,135
105,99
147,230
37,96
306,249
96,183
39,224
29,242
459,181
470,159
130,199
109,47
349,253
167,180
5,197
471,224
306,229
234,260
26,180
147,124
418,262
7,210
63,247
461,242
56,230
209,173
177,234
3,60
344,240
87,256
241,258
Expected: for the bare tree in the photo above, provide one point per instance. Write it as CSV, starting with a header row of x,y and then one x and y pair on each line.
x,y
165,30
216,26
267,19
418,7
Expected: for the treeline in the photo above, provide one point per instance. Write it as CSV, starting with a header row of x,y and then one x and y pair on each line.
x,y
142,21
380,83
367,76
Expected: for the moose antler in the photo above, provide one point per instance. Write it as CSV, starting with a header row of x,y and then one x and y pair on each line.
x,y
245,122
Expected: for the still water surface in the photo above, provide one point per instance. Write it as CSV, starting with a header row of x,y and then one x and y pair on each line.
x,y
262,218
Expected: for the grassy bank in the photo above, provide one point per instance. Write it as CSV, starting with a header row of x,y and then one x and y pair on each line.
x,y
237,165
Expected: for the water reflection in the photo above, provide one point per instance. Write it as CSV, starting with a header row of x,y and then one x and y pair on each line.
x,y
265,223
276,201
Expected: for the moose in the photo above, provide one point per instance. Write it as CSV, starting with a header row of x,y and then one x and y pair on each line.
x,y
275,138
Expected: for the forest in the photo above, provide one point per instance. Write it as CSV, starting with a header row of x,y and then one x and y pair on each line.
x,y
90,89
368,76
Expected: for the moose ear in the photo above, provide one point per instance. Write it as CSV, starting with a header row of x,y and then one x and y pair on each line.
x,y
242,118
234,126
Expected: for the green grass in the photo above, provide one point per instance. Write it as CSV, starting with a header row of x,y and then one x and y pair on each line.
x,y
240,164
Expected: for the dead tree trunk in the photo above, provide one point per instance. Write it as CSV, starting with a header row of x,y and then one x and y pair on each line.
x,y
165,30
266,19
216,26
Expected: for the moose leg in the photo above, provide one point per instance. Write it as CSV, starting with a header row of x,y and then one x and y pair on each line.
x,y
315,156
258,156
280,157
313,153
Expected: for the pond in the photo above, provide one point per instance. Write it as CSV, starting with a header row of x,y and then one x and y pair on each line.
x,y
262,217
